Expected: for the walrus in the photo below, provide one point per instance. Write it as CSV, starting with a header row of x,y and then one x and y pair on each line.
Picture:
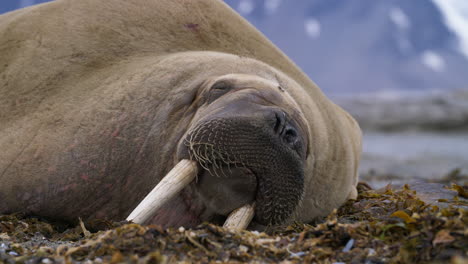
x,y
100,99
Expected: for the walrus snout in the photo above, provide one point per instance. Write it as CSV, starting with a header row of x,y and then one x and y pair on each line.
x,y
232,189
247,158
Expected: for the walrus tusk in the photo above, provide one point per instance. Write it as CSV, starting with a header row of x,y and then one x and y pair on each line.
x,y
240,218
180,176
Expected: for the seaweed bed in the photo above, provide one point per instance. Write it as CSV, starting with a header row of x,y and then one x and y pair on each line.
x,y
381,226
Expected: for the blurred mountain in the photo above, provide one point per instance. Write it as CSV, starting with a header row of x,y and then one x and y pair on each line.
x,y
360,46
366,45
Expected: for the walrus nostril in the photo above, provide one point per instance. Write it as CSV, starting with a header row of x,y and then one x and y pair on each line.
x,y
284,129
290,135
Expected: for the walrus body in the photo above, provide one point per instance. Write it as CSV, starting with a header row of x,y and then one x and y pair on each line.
x,y
99,99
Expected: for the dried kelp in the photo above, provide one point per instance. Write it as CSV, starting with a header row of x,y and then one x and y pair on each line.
x,y
381,226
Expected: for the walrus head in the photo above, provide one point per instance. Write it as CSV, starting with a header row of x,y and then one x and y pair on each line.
x,y
250,140
255,141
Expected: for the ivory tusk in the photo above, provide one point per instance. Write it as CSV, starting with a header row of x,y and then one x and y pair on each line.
x,y
179,177
240,218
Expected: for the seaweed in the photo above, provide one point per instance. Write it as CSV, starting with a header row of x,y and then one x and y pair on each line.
x,y
381,226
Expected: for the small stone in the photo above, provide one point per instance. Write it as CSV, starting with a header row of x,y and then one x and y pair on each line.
x,y
243,248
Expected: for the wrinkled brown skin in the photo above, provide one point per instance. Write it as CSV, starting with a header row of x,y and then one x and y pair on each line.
x,y
96,97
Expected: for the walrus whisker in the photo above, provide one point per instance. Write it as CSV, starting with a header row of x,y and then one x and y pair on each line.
x,y
205,166
197,155
208,154
196,152
224,158
179,177
214,155
223,172
229,168
240,218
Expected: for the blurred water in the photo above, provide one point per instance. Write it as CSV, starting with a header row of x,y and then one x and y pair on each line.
x,y
406,145
404,156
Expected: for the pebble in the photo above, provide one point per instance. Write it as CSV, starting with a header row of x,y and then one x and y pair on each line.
x,y
348,246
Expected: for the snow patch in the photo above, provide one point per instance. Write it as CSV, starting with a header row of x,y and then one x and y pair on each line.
x,y
271,6
25,3
399,18
402,22
245,7
312,27
433,61
455,13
